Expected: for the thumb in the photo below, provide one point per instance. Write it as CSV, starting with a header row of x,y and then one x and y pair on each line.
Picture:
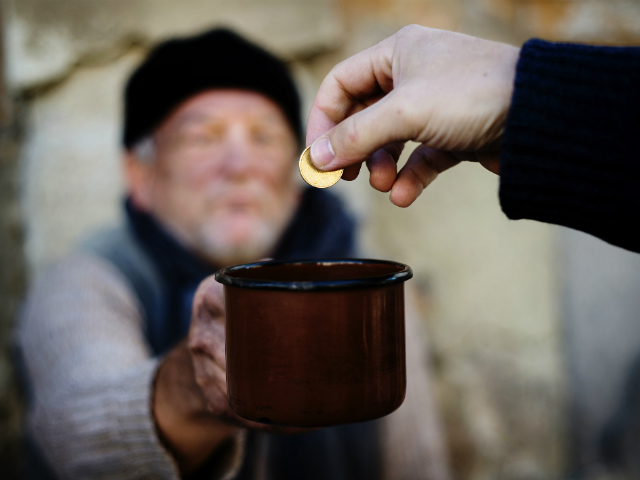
x,y
358,136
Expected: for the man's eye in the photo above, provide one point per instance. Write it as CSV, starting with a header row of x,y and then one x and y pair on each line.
x,y
266,138
204,138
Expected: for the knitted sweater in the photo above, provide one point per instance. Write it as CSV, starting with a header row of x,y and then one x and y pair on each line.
x,y
570,152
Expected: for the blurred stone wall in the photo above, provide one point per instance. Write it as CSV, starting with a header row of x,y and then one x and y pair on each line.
x,y
493,292
12,276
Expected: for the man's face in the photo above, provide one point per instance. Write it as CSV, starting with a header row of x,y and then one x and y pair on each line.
x,y
222,178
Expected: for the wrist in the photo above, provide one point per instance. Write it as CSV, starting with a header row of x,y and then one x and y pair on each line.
x,y
185,425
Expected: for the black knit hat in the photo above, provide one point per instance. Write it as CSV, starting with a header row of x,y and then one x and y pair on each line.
x,y
178,69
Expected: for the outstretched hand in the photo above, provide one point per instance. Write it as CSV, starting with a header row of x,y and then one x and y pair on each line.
x,y
190,404
448,91
207,346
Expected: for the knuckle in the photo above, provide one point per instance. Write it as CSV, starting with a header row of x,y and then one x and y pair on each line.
x,y
209,284
336,68
352,132
419,182
193,342
412,27
410,30
394,150
197,347
211,309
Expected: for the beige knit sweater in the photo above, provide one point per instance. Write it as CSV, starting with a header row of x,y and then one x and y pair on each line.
x,y
82,337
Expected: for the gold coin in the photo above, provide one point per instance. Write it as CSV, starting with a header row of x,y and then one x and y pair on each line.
x,y
313,176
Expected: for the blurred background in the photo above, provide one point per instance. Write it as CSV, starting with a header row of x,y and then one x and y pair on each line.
x,y
531,328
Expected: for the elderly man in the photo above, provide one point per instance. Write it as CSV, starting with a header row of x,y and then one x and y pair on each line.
x,y
117,390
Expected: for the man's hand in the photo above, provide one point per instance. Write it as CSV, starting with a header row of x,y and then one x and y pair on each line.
x,y
186,424
448,91
190,402
207,347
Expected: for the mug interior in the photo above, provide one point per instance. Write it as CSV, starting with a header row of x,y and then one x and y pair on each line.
x,y
321,271
325,274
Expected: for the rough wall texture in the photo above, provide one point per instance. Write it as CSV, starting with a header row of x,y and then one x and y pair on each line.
x,y
491,290
48,38
600,309
12,280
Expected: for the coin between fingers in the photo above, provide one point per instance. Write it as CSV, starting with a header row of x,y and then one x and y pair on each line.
x,y
313,176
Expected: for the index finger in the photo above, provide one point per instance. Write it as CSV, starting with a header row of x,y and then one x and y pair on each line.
x,y
363,76
209,299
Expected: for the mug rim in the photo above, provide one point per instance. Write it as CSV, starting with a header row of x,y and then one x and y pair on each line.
x,y
223,276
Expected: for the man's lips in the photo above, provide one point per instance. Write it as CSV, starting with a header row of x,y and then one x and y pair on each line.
x,y
241,200
239,205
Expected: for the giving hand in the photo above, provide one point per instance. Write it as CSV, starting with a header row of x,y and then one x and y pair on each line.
x,y
448,91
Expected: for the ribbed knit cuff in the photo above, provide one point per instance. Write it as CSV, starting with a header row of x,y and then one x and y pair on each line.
x,y
570,150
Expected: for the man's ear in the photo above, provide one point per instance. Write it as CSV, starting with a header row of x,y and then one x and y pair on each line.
x,y
139,178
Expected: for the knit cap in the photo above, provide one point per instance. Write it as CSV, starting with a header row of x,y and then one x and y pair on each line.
x,y
178,69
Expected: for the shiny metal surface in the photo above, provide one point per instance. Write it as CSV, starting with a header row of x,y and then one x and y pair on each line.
x,y
313,176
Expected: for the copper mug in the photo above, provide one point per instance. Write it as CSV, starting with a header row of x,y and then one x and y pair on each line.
x,y
315,343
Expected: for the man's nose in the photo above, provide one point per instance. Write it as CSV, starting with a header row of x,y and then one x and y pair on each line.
x,y
238,155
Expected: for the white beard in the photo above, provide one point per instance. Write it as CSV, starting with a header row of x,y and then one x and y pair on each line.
x,y
219,248
239,222
231,238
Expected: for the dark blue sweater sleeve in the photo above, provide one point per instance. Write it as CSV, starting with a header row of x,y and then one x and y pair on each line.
x,y
571,147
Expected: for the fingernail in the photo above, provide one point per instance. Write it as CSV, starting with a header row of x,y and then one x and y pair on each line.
x,y
322,152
